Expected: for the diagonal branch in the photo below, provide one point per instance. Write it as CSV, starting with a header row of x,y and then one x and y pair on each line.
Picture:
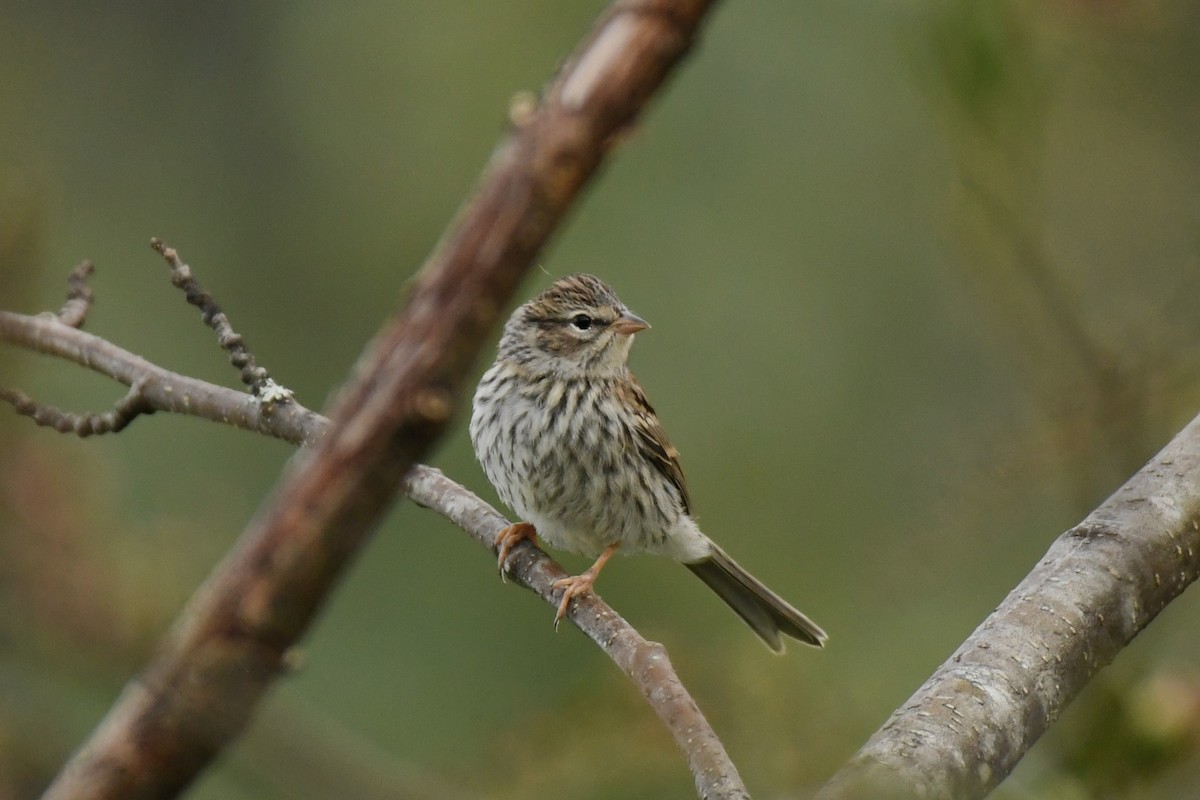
x,y
1097,587
643,662
230,642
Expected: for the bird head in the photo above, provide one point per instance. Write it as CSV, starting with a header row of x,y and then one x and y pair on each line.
x,y
576,328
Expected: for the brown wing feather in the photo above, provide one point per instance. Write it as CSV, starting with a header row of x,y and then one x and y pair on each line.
x,y
652,439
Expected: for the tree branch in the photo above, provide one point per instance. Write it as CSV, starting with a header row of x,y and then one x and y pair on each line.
x,y
160,389
232,639
644,662
1100,584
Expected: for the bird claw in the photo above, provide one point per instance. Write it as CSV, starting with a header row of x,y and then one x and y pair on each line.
x,y
576,585
510,537
571,587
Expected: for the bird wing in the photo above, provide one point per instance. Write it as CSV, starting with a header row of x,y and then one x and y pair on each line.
x,y
652,439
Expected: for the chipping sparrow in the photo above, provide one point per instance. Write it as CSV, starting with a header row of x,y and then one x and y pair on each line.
x,y
566,435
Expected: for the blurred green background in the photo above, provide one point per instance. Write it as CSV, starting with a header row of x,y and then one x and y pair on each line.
x,y
922,278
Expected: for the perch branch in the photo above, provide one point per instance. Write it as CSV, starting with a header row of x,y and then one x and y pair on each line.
x,y
644,662
231,641
1100,584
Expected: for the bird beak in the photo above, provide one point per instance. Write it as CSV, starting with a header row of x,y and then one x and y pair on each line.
x,y
630,323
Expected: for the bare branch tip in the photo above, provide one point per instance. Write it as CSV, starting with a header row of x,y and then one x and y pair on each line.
x,y
82,271
256,378
79,295
169,254
124,411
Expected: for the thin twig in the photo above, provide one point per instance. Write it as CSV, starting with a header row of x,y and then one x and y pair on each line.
x,y
255,377
161,389
79,296
123,412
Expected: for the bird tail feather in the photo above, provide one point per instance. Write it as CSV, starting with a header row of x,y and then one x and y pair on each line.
x,y
765,612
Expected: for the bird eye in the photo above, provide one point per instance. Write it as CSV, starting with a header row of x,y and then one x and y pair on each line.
x,y
581,321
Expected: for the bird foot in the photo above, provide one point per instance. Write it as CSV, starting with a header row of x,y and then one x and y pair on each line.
x,y
572,587
510,537
580,584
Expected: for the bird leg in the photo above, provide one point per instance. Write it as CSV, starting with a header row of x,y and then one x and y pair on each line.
x,y
580,584
510,537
